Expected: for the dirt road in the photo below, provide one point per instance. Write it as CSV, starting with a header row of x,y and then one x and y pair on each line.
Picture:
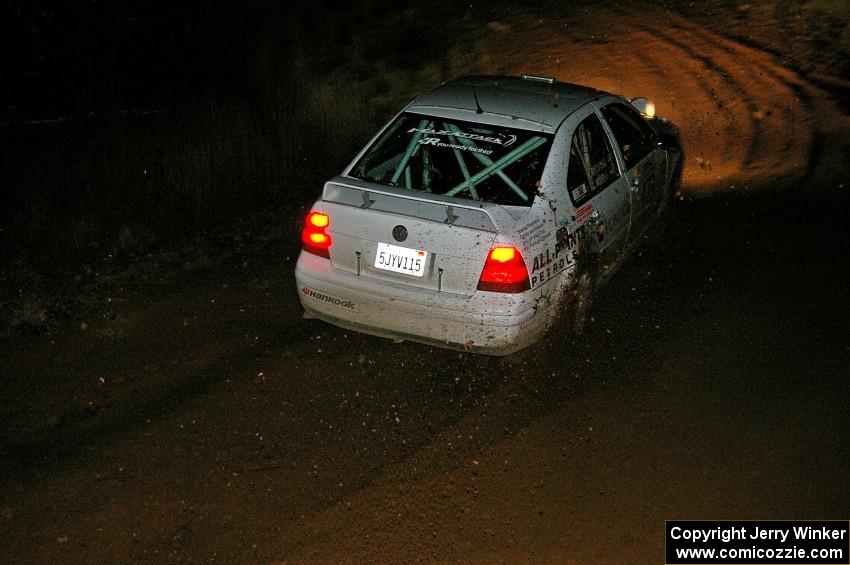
x,y
209,422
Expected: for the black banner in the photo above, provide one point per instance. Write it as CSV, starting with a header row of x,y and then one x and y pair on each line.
x,y
757,542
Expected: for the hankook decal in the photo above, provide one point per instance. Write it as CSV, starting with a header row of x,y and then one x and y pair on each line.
x,y
327,298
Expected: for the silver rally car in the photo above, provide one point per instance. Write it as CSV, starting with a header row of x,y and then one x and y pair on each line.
x,y
483,210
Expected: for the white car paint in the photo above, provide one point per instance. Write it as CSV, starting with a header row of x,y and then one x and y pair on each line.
x,y
562,240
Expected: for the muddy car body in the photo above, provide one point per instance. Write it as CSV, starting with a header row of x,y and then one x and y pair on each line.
x,y
483,210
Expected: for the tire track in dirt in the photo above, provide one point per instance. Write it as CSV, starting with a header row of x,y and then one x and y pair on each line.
x,y
746,119
793,113
708,121
734,95
120,373
775,100
765,61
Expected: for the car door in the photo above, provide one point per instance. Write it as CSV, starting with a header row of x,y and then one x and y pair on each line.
x,y
597,190
642,160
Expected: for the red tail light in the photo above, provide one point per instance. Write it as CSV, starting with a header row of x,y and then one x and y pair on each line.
x,y
314,239
504,271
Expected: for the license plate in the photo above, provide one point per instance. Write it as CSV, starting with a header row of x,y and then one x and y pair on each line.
x,y
400,259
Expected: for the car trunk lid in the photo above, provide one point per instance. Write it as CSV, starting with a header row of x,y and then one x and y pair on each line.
x,y
456,237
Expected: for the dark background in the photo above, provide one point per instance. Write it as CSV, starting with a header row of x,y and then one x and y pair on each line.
x,y
149,119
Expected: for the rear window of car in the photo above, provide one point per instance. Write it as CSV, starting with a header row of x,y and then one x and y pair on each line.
x,y
457,158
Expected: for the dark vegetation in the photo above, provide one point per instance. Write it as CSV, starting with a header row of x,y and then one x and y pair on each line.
x,y
126,127
135,121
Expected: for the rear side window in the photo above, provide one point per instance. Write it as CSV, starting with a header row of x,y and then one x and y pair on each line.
x,y
457,158
634,136
592,165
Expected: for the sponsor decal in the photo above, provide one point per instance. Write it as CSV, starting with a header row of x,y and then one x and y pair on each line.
x,y
547,271
579,191
503,140
546,265
327,298
584,213
435,141
534,232
566,240
545,299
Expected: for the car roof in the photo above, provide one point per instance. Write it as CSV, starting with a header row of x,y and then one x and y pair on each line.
x,y
525,102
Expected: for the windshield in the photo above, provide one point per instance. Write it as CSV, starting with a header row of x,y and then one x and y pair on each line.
x,y
457,158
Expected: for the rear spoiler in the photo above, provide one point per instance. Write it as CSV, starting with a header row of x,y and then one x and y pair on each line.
x,y
482,216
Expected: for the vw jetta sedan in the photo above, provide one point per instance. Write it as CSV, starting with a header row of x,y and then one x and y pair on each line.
x,y
483,210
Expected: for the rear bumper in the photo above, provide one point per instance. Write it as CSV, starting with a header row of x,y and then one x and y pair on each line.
x,y
491,323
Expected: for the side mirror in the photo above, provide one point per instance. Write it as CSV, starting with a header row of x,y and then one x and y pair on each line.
x,y
644,106
668,141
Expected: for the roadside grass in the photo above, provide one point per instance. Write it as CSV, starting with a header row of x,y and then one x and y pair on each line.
x,y
85,194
